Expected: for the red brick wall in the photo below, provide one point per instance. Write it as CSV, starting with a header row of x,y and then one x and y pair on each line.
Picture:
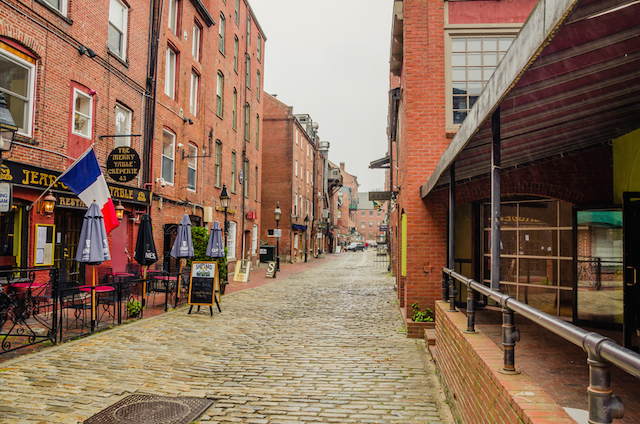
x,y
476,391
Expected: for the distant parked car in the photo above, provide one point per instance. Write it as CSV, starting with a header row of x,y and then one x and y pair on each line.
x,y
354,246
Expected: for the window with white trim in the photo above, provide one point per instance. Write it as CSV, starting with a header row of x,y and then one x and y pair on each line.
x,y
173,15
295,205
195,42
235,53
254,240
221,32
248,29
247,118
234,119
259,48
168,155
82,114
192,167
231,240
233,171
117,37
122,126
170,73
17,76
59,5
248,73
245,181
255,184
257,131
219,94
296,168
473,60
195,83
258,85
237,18
362,224
218,169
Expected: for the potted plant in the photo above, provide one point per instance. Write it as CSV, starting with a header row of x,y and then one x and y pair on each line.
x,y
134,307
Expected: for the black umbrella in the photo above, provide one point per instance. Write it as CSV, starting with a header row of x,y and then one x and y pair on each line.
x,y
215,248
182,247
145,253
93,247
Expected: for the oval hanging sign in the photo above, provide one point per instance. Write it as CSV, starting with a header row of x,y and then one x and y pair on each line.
x,y
123,164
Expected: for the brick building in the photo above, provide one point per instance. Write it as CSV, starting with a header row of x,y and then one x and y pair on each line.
x,y
369,219
346,207
207,130
288,178
73,74
487,101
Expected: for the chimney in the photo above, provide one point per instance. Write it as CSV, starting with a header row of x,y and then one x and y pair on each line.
x,y
342,166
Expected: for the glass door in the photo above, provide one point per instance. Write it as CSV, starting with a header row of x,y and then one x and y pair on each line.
x,y
68,227
631,291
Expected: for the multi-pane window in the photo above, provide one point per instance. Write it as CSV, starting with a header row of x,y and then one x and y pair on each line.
x,y
170,73
370,224
362,224
123,126
237,18
473,61
195,82
233,171
247,117
371,213
248,29
258,85
117,38
168,155
248,73
82,114
195,42
59,5
362,213
257,131
219,94
235,53
192,166
234,119
255,184
254,239
16,82
295,205
296,168
173,15
259,48
218,169
245,183
231,240
221,31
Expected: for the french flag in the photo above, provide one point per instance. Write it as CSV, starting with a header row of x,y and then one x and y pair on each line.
x,y
84,177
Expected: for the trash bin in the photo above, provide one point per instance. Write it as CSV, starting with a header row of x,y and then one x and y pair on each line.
x,y
267,253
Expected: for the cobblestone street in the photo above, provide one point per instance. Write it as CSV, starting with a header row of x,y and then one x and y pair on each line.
x,y
325,346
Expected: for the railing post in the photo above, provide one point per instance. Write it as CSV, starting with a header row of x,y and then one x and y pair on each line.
x,y
445,286
471,310
603,405
509,338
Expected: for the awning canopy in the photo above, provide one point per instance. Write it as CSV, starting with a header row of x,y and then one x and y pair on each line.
x,y
569,82
380,163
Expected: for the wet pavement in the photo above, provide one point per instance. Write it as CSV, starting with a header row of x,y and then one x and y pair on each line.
x,y
327,345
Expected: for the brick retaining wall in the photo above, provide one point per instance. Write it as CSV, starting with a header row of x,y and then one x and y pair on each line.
x,y
476,391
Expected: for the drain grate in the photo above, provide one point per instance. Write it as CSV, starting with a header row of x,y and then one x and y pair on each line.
x,y
143,409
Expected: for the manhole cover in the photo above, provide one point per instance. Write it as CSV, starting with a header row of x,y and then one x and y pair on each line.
x,y
142,409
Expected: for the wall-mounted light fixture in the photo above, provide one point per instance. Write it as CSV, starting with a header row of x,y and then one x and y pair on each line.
x,y
48,204
119,211
83,50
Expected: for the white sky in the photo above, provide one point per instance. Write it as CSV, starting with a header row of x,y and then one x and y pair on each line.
x,y
330,59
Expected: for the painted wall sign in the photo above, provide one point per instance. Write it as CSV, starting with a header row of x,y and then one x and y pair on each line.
x,y
123,164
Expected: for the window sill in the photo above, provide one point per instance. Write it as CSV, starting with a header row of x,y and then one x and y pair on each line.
x,y
118,58
56,11
26,140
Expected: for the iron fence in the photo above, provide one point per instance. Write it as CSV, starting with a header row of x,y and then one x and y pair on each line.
x,y
601,351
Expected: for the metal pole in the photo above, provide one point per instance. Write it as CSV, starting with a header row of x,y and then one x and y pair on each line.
x,y
278,248
452,222
509,338
603,405
495,201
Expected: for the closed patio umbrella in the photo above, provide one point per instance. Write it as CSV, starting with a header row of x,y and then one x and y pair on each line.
x,y
145,253
93,247
215,248
183,246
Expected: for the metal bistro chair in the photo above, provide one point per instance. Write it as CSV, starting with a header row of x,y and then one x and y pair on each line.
x,y
156,286
75,301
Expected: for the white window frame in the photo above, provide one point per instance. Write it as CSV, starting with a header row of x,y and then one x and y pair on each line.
x,y
231,240
122,114
254,240
170,73
192,165
195,42
62,9
259,48
453,31
257,131
77,93
234,171
237,10
29,99
235,53
195,84
248,73
172,18
296,168
258,85
219,94
234,122
170,158
295,205
123,31
222,24
218,165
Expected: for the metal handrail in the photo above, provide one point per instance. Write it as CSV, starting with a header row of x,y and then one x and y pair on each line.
x,y
601,351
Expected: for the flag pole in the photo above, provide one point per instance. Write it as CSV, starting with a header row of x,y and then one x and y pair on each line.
x,y
29,207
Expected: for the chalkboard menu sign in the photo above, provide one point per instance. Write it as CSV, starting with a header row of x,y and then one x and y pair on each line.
x,y
204,285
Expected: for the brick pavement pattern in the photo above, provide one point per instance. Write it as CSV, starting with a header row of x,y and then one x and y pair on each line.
x,y
325,346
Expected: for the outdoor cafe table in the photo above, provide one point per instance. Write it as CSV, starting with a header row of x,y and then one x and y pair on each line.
x,y
98,290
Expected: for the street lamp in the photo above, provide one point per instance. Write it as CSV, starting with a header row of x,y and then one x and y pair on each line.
x,y
277,214
225,200
8,127
306,237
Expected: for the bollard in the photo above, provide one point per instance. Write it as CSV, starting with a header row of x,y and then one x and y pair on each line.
x,y
509,338
471,311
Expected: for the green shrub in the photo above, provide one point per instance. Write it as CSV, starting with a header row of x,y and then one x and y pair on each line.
x,y
421,316
200,238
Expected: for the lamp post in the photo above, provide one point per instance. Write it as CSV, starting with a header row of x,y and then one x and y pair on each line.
x,y
277,214
225,200
8,127
306,237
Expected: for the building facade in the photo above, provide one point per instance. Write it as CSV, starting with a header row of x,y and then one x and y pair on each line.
x,y
370,220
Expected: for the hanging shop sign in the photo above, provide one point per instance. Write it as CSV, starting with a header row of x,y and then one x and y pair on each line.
x,y
379,195
5,197
123,164
28,176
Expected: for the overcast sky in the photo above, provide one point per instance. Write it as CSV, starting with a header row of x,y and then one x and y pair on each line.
x,y
330,59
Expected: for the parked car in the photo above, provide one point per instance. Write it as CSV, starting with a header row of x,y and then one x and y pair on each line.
x,y
354,247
